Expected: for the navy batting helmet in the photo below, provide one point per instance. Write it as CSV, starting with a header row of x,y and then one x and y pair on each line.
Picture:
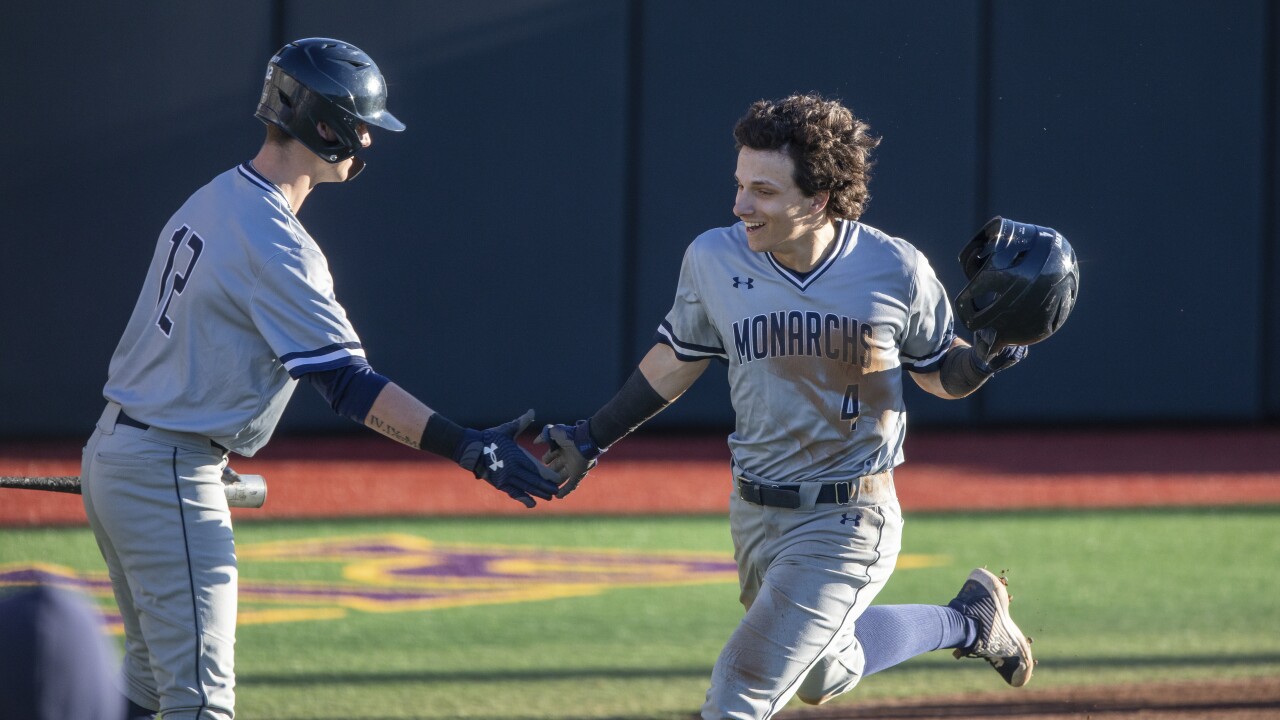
x,y
321,80
1023,281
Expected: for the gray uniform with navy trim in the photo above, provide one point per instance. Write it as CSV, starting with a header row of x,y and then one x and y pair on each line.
x,y
237,304
815,366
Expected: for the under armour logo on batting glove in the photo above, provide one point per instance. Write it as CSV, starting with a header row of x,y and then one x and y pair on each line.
x,y
494,456
572,453
492,452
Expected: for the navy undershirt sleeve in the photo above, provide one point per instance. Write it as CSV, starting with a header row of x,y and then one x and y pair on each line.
x,y
351,389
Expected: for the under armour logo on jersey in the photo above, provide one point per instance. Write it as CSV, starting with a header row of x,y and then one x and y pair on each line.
x,y
492,452
855,521
749,283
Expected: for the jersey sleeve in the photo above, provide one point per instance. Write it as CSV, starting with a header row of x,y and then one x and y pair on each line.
x,y
295,309
930,327
687,328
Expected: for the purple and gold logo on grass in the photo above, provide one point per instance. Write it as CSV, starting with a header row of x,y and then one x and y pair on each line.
x,y
400,573
403,573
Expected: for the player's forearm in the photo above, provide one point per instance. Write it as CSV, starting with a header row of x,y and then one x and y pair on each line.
x,y
656,383
399,415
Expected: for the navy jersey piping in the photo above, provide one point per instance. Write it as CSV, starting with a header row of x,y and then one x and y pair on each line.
x,y
297,364
250,173
804,280
686,351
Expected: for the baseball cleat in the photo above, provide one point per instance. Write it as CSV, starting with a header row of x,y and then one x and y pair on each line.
x,y
985,599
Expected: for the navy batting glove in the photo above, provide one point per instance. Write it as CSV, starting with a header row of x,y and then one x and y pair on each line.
x,y
995,358
494,456
572,453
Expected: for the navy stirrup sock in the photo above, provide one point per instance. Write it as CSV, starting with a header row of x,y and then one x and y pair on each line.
x,y
893,634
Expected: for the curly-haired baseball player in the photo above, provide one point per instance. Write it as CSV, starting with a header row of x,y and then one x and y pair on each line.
x,y
816,316
238,305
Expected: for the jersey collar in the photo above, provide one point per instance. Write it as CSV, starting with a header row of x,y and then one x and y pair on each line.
x,y
844,231
250,173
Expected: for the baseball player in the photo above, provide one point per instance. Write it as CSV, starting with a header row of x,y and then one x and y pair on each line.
x,y
816,315
237,307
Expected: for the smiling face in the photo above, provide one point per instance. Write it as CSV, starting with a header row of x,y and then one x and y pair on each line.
x,y
778,216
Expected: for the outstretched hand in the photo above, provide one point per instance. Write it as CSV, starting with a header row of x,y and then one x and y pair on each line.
x,y
494,456
572,453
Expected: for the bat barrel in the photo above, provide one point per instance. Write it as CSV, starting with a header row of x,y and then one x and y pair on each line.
x,y
65,483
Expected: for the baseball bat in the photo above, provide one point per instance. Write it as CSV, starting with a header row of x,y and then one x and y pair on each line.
x,y
243,491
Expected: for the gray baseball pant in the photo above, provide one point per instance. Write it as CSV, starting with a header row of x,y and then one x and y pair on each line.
x,y
806,575
156,504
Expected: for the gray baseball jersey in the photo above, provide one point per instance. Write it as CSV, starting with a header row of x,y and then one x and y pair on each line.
x,y
815,359
238,303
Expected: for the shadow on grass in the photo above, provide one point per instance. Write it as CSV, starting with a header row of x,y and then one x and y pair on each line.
x,y
446,677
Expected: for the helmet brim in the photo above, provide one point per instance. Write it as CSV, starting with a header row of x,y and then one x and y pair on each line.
x,y
385,120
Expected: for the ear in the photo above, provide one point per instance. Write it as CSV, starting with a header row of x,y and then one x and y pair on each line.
x,y
818,203
326,132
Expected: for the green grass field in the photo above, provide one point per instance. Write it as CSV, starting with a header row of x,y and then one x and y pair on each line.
x,y
1109,596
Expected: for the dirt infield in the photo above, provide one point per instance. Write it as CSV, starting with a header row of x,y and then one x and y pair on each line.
x,y
368,476
1227,700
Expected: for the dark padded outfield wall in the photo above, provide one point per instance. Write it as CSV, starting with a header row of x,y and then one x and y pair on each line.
x,y
518,244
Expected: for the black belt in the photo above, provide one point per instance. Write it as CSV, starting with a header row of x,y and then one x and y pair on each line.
x,y
122,419
788,496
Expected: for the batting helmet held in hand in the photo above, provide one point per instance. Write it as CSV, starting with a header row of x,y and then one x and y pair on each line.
x,y
1023,281
318,80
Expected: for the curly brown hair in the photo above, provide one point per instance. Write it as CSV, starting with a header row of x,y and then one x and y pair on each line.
x,y
831,147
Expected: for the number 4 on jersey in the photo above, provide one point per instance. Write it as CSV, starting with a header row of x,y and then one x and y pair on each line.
x,y
849,407
179,283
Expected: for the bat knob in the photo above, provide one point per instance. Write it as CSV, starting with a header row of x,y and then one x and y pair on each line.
x,y
245,491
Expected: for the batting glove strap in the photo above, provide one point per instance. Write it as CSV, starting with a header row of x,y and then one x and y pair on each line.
x,y
469,452
583,441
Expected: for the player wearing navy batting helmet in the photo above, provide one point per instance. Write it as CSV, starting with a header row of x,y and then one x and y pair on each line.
x,y
238,306
816,315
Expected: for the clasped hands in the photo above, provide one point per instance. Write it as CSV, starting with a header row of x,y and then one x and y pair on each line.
x,y
493,455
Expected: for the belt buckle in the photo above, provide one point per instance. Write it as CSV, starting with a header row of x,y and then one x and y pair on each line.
x,y
844,492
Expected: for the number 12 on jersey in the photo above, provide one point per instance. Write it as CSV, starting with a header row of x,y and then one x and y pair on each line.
x,y
179,283
849,407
